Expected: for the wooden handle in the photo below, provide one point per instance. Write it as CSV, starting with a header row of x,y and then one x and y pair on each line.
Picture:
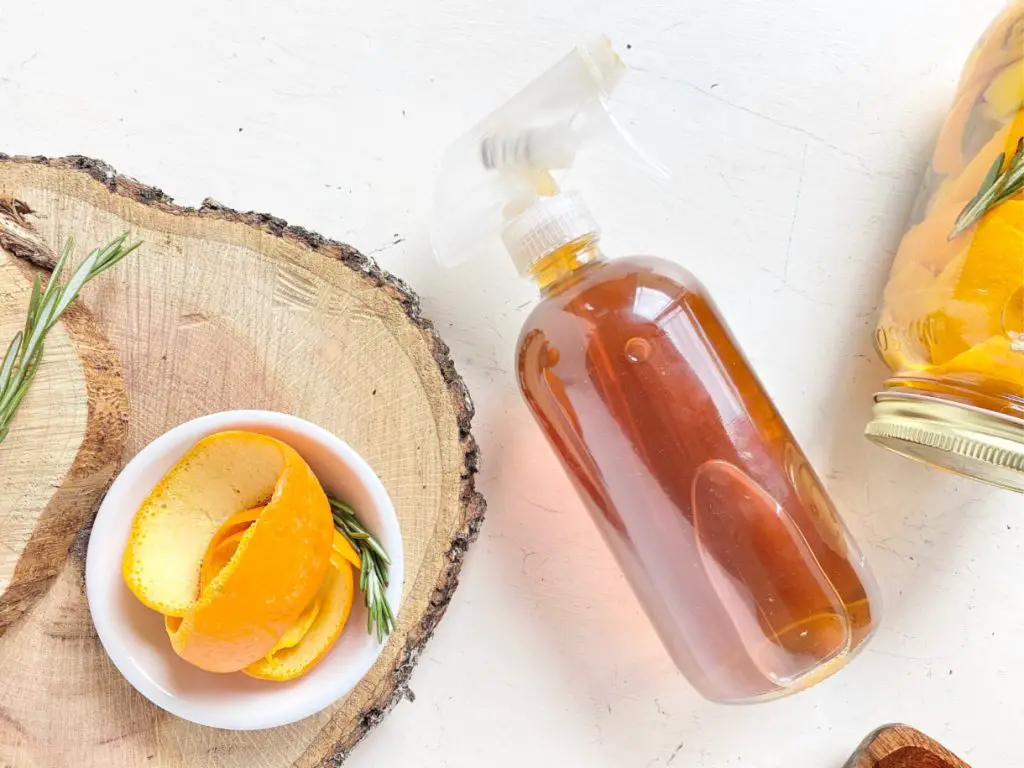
x,y
900,746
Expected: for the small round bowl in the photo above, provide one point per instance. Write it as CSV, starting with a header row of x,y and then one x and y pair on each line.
x,y
134,636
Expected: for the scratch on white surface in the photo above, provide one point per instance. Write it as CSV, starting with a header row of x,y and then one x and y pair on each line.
x,y
397,240
675,753
527,554
902,656
661,711
760,115
549,510
796,214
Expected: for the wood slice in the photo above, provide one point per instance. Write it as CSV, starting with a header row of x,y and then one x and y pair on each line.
x,y
67,437
900,746
222,310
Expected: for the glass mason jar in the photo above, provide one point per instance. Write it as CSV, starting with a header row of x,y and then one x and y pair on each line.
x,y
952,322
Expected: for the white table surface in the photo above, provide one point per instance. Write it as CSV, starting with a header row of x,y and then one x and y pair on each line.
x,y
797,130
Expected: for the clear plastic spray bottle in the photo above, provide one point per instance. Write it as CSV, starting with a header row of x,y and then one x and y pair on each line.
x,y
700,490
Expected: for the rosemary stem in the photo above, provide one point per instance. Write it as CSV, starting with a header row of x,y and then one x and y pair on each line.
x,y
45,308
373,575
998,187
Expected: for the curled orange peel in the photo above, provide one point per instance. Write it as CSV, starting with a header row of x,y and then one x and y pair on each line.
x,y
231,546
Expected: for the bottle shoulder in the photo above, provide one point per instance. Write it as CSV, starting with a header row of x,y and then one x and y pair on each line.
x,y
651,269
619,288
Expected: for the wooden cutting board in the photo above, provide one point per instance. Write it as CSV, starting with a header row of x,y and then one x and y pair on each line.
x,y
900,746
67,438
222,310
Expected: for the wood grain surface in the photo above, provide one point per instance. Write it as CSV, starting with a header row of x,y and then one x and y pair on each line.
x,y
224,310
67,437
900,746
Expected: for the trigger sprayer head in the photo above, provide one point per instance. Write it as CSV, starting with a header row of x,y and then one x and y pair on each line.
x,y
496,185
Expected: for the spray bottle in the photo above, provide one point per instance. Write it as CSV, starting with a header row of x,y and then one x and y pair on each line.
x,y
708,504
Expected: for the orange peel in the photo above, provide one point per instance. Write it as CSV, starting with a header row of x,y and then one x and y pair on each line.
x,y
250,504
322,620
1001,45
949,150
994,362
335,598
342,551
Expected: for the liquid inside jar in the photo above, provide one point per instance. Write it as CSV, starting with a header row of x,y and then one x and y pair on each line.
x,y
705,499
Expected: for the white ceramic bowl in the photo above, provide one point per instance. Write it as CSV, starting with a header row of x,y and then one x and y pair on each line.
x,y
134,636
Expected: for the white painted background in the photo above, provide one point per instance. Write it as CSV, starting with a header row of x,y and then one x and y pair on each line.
x,y
797,130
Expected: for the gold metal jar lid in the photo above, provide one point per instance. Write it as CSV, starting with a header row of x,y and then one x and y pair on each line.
x,y
960,438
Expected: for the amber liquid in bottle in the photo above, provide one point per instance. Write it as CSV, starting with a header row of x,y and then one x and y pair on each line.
x,y
708,504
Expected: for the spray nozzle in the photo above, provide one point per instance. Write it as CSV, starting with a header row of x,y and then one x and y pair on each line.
x,y
552,147
505,166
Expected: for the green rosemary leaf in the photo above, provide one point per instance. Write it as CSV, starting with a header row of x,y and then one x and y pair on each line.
x,y
17,395
79,278
115,258
341,507
990,179
54,283
1013,185
993,173
379,550
373,575
45,308
33,305
999,186
8,364
17,389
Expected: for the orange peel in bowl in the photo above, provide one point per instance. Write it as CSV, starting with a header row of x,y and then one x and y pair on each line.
x,y
335,604
249,504
323,618
224,543
220,551
342,551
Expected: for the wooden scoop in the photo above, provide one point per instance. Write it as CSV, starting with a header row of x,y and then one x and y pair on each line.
x,y
900,746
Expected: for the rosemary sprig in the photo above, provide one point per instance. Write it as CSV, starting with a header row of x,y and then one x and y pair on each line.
x,y
373,576
45,308
998,187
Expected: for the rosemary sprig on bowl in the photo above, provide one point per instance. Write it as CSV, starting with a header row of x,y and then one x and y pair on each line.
x,y
998,187
373,576
45,308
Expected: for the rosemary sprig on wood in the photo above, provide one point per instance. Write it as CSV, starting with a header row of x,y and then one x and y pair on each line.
x,y
373,576
45,308
998,187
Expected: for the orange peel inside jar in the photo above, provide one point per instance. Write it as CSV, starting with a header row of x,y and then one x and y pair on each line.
x,y
1002,45
236,546
955,300
973,305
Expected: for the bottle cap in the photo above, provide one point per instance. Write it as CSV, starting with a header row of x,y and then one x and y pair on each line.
x,y
954,436
546,226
